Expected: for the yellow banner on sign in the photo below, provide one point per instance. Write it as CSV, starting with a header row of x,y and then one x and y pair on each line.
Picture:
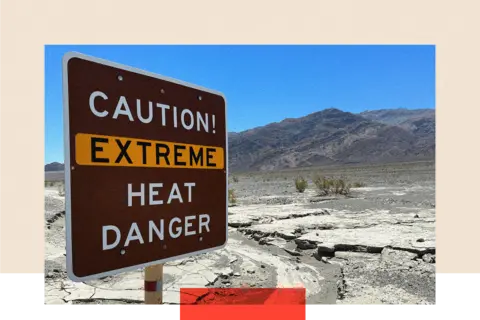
x,y
100,150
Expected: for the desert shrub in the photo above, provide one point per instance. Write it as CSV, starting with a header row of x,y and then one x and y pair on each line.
x,y
301,184
322,184
232,198
327,186
49,183
359,185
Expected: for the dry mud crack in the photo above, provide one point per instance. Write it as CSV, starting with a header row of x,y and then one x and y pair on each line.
x,y
375,247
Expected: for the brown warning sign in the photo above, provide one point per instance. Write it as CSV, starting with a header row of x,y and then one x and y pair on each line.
x,y
145,168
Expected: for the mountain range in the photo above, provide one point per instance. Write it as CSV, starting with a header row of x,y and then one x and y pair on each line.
x,y
54,166
332,136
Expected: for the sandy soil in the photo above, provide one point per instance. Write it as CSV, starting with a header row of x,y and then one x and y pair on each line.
x,y
376,246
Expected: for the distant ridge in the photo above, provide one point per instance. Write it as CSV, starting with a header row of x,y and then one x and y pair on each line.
x,y
331,136
54,166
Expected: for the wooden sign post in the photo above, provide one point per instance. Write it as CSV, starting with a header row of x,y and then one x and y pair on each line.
x,y
154,284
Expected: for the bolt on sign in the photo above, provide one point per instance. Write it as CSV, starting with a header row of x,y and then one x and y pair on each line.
x,y
145,168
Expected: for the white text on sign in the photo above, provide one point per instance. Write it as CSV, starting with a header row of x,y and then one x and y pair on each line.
x,y
175,227
101,107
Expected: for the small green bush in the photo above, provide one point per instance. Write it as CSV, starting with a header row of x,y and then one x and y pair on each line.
x,y
49,183
301,184
328,186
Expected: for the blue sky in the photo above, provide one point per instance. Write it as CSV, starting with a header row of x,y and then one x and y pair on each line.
x,y
265,84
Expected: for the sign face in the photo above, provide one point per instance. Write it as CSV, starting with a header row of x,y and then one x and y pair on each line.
x,y
145,168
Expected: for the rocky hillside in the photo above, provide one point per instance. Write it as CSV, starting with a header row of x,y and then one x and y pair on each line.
x,y
332,136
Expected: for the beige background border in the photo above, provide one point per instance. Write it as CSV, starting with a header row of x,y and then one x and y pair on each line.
x,y
26,26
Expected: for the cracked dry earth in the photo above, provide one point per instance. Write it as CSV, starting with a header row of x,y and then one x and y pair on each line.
x,y
375,247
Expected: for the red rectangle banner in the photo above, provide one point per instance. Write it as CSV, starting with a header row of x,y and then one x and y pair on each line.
x,y
242,312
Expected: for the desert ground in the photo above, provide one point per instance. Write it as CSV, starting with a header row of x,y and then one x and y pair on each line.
x,y
375,245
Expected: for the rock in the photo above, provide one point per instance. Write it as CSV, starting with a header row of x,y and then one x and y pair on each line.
x,y
239,224
416,216
263,241
324,260
251,271
326,250
305,244
397,256
297,268
293,253
341,288
329,248
286,236
236,274
375,237
266,240
299,231
421,240
258,236
336,263
428,258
